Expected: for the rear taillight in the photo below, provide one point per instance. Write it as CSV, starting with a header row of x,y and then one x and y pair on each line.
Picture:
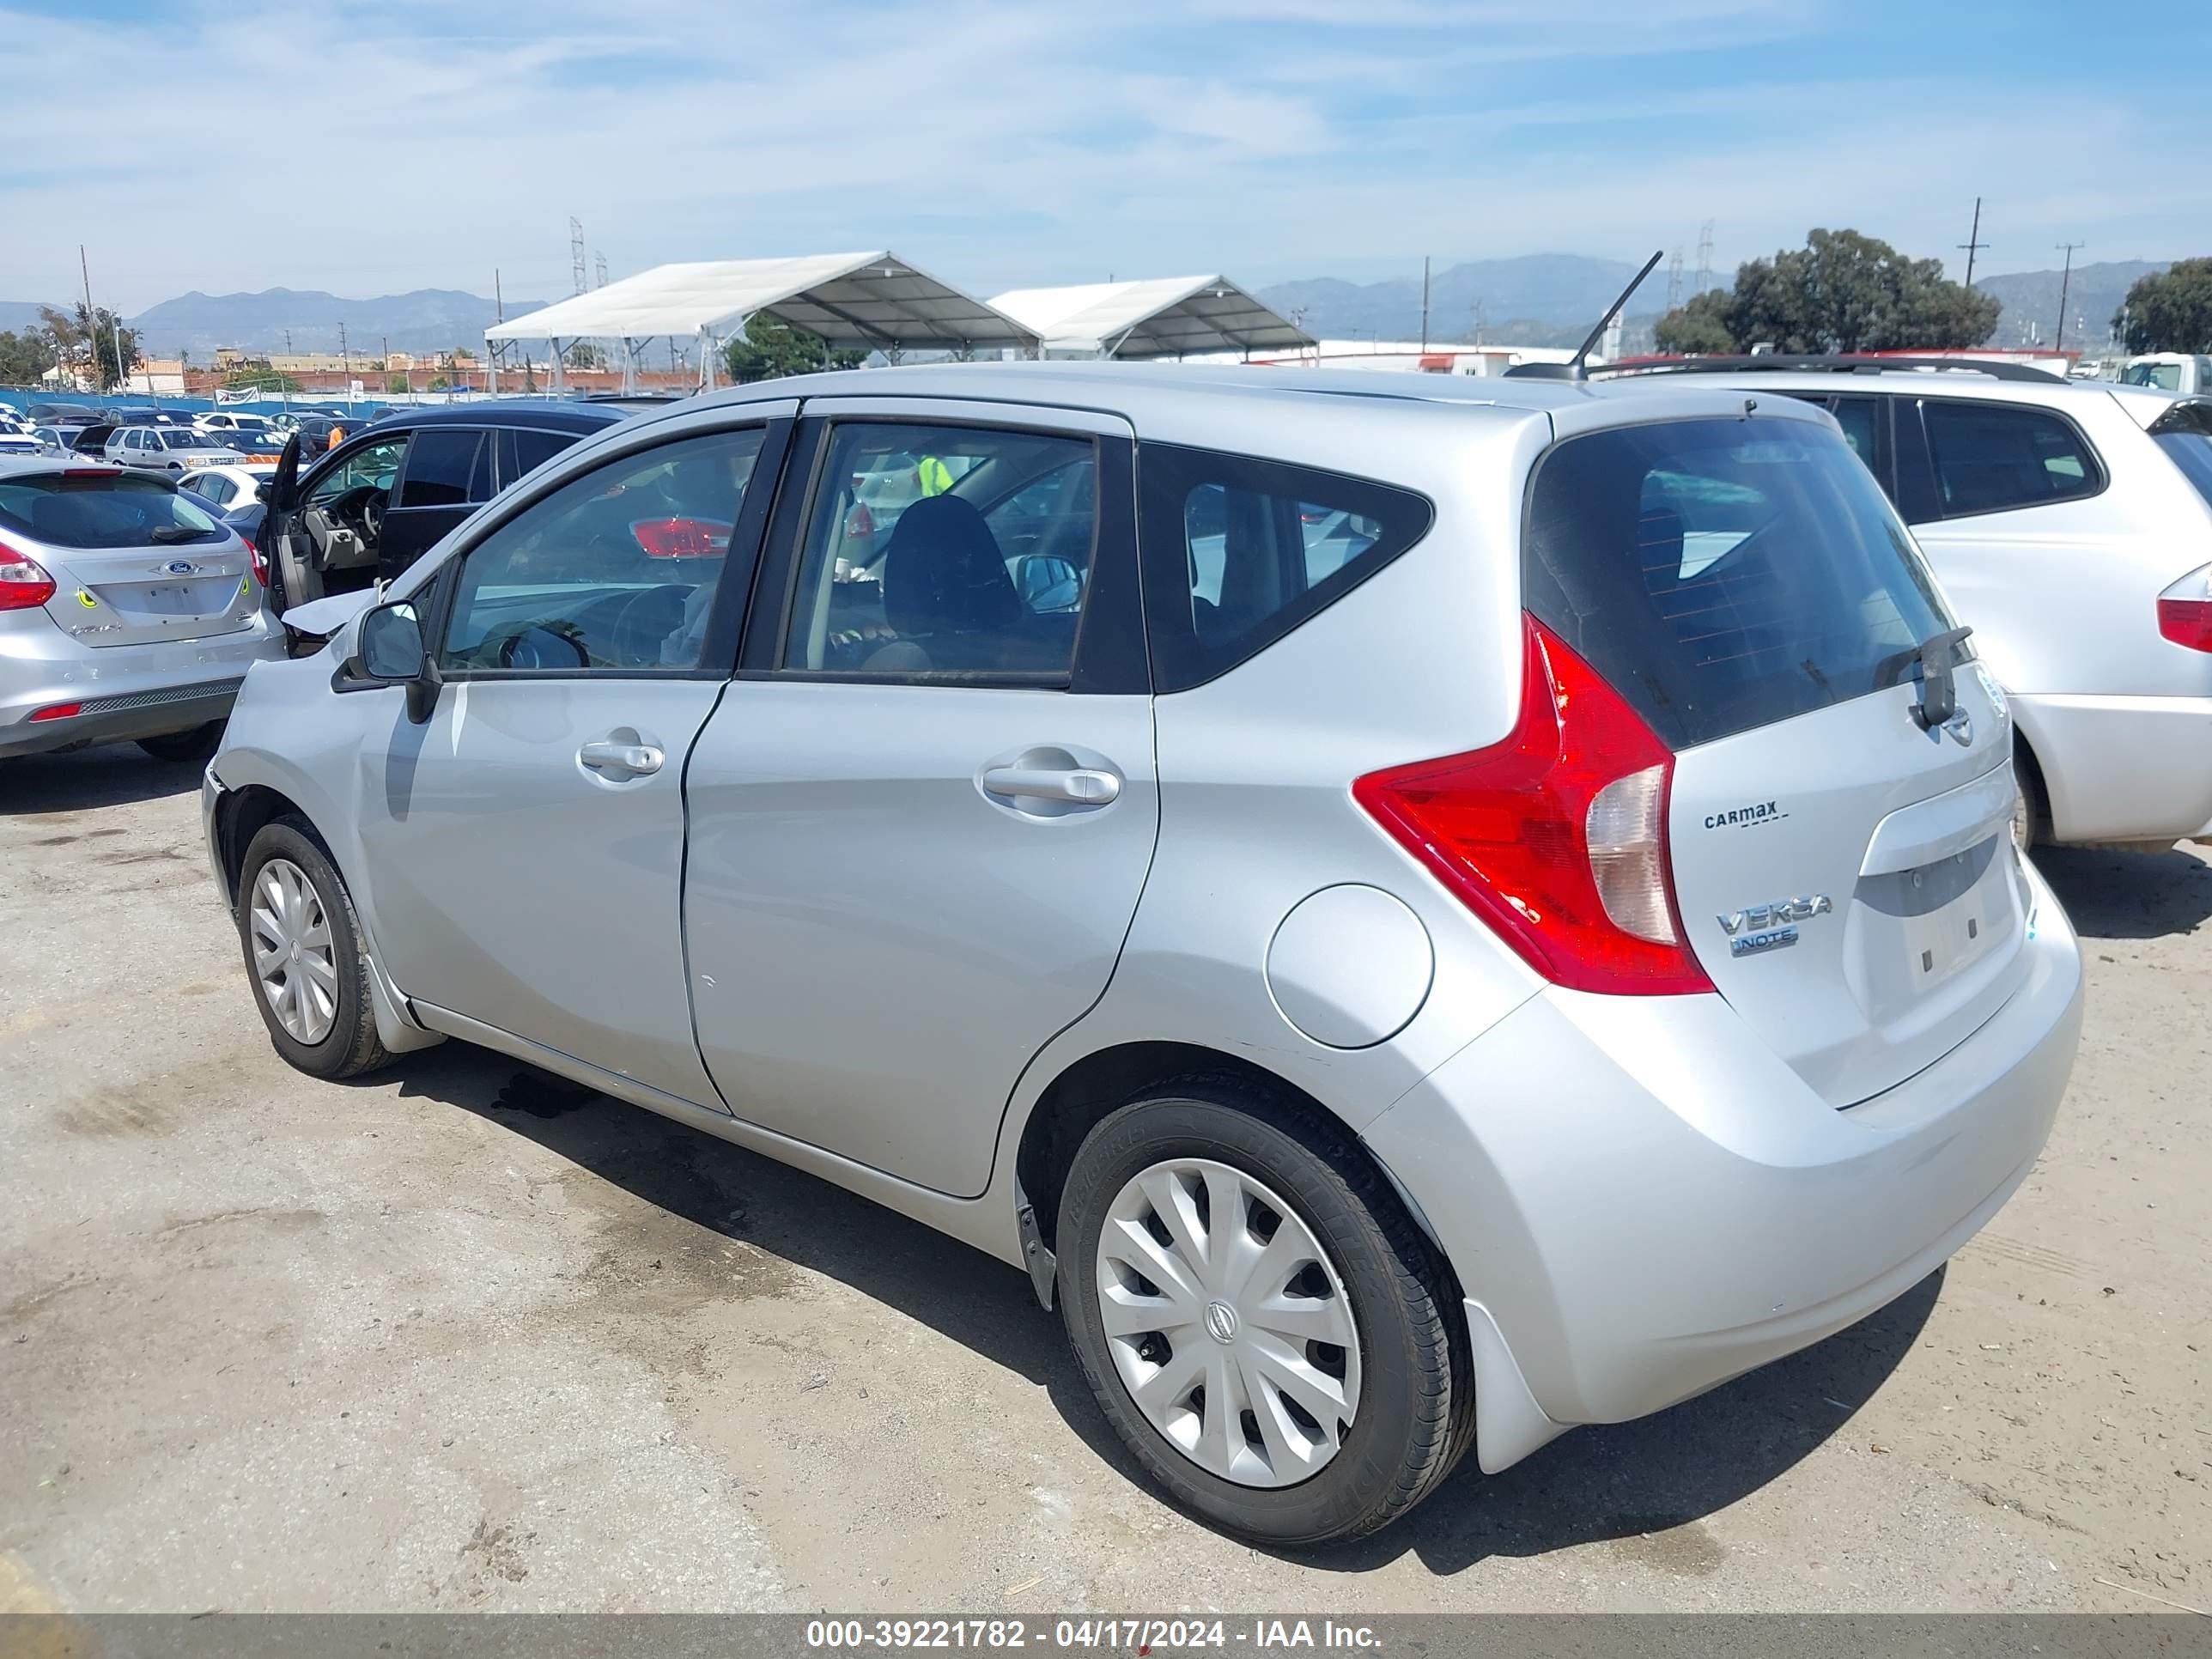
x,y
682,538
1556,835
2185,610
260,564
23,585
58,711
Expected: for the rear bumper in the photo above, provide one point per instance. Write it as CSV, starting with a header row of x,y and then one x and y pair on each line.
x,y
126,691
2123,768
1641,1203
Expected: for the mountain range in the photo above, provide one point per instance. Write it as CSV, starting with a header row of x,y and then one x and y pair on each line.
x,y
1541,299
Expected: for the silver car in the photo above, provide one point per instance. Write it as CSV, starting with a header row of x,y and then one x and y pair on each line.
x,y
2072,524
1414,952
173,449
127,611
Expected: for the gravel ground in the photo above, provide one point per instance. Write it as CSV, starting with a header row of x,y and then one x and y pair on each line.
x,y
418,1343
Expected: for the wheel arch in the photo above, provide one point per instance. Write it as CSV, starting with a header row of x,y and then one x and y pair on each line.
x,y
1091,1086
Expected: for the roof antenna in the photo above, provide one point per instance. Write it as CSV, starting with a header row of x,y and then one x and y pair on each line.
x,y
1575,368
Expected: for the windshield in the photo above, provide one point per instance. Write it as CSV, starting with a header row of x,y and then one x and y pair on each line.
x,y
1723,574
103,509
185,438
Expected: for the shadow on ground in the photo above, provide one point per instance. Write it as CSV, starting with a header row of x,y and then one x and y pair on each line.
x,y
111,775
2130,895
1647,1484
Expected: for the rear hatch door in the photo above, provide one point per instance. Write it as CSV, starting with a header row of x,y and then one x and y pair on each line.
x,y
1844,873
133,561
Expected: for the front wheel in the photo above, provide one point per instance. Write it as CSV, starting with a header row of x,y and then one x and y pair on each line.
x,y
1258,1316
304,955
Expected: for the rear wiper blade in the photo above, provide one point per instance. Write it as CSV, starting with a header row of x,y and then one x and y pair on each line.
x,y
170,534
1939,693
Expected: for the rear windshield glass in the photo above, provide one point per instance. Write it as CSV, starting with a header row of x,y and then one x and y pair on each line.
x,y
104,509
1723,574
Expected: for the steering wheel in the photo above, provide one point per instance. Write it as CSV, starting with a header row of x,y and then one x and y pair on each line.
x,y
371,516
511,645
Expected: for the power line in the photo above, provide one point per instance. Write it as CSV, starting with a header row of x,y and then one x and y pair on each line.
x,y
1705,256
2065,280
577,252
1973,244
600,266
1674,280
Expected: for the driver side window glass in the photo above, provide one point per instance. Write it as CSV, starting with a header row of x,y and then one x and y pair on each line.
x,y
616,569
373,467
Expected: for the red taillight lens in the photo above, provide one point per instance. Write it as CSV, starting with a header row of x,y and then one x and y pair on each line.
x,y
2186,622
58,711
682,538
260,564
1557,837
23,585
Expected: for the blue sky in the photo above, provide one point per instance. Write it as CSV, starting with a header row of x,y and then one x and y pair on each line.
x,y
1001,144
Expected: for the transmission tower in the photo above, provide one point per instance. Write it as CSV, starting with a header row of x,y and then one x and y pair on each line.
x,y
1674,280
599,264
577,252
1705,256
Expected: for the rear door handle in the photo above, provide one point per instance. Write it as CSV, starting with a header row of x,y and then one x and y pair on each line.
x,y
1079,785
635,760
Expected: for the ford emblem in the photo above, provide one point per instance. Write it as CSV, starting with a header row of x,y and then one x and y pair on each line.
x,y
181,567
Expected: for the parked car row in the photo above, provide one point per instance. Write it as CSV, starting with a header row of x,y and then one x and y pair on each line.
x,y
1422,913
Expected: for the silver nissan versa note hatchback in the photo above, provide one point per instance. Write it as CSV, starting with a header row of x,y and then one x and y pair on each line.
x,y
1421,922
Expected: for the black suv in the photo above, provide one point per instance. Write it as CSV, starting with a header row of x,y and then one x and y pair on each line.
x,y
369,509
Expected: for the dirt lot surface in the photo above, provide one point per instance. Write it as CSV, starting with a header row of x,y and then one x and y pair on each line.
x,y
269,1343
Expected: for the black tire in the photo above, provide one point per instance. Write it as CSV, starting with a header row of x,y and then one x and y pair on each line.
x,y
197,745
352,1046
2030,809
1416,1410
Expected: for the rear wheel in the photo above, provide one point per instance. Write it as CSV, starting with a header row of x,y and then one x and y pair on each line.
x,y
197,745
304,955
2028,806
1258,1317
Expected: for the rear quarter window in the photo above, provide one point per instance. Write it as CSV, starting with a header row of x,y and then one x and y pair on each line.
x,y
1993,458
1238,551
1723,574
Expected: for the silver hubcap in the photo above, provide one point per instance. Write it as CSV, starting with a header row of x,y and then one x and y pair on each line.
x,y
1229,1326
292,954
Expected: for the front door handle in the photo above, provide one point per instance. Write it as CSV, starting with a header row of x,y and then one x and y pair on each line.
x,y
1080,786
635,760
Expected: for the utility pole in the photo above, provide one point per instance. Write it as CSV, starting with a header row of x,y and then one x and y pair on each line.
x,y
1424,305
599,269
2065,280
1705,256
345,366
577,252
91,338
1478,322
1973,244
1674,280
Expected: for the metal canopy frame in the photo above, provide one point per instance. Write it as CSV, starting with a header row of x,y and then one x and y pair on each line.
x,y
868,301
1163,317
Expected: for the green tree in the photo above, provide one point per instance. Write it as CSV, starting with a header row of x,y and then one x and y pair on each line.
x,y
395,383
1699,328
2167,311
94,339
1842,292
25,357
770,348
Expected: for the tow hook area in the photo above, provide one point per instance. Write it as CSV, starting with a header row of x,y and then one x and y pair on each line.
x,y
1043,1265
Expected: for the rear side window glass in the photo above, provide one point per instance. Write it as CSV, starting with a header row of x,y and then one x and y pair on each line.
x,y
1992,456
528,451
104,509
1723,574
1239,551
2192,452
439,465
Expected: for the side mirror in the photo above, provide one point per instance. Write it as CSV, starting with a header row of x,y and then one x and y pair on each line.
x,y
1047,582
388,650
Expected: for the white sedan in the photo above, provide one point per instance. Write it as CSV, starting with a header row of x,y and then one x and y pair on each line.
x,y
226,486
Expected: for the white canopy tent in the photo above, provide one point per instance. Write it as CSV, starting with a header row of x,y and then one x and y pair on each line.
x,y
867,301
1166,317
